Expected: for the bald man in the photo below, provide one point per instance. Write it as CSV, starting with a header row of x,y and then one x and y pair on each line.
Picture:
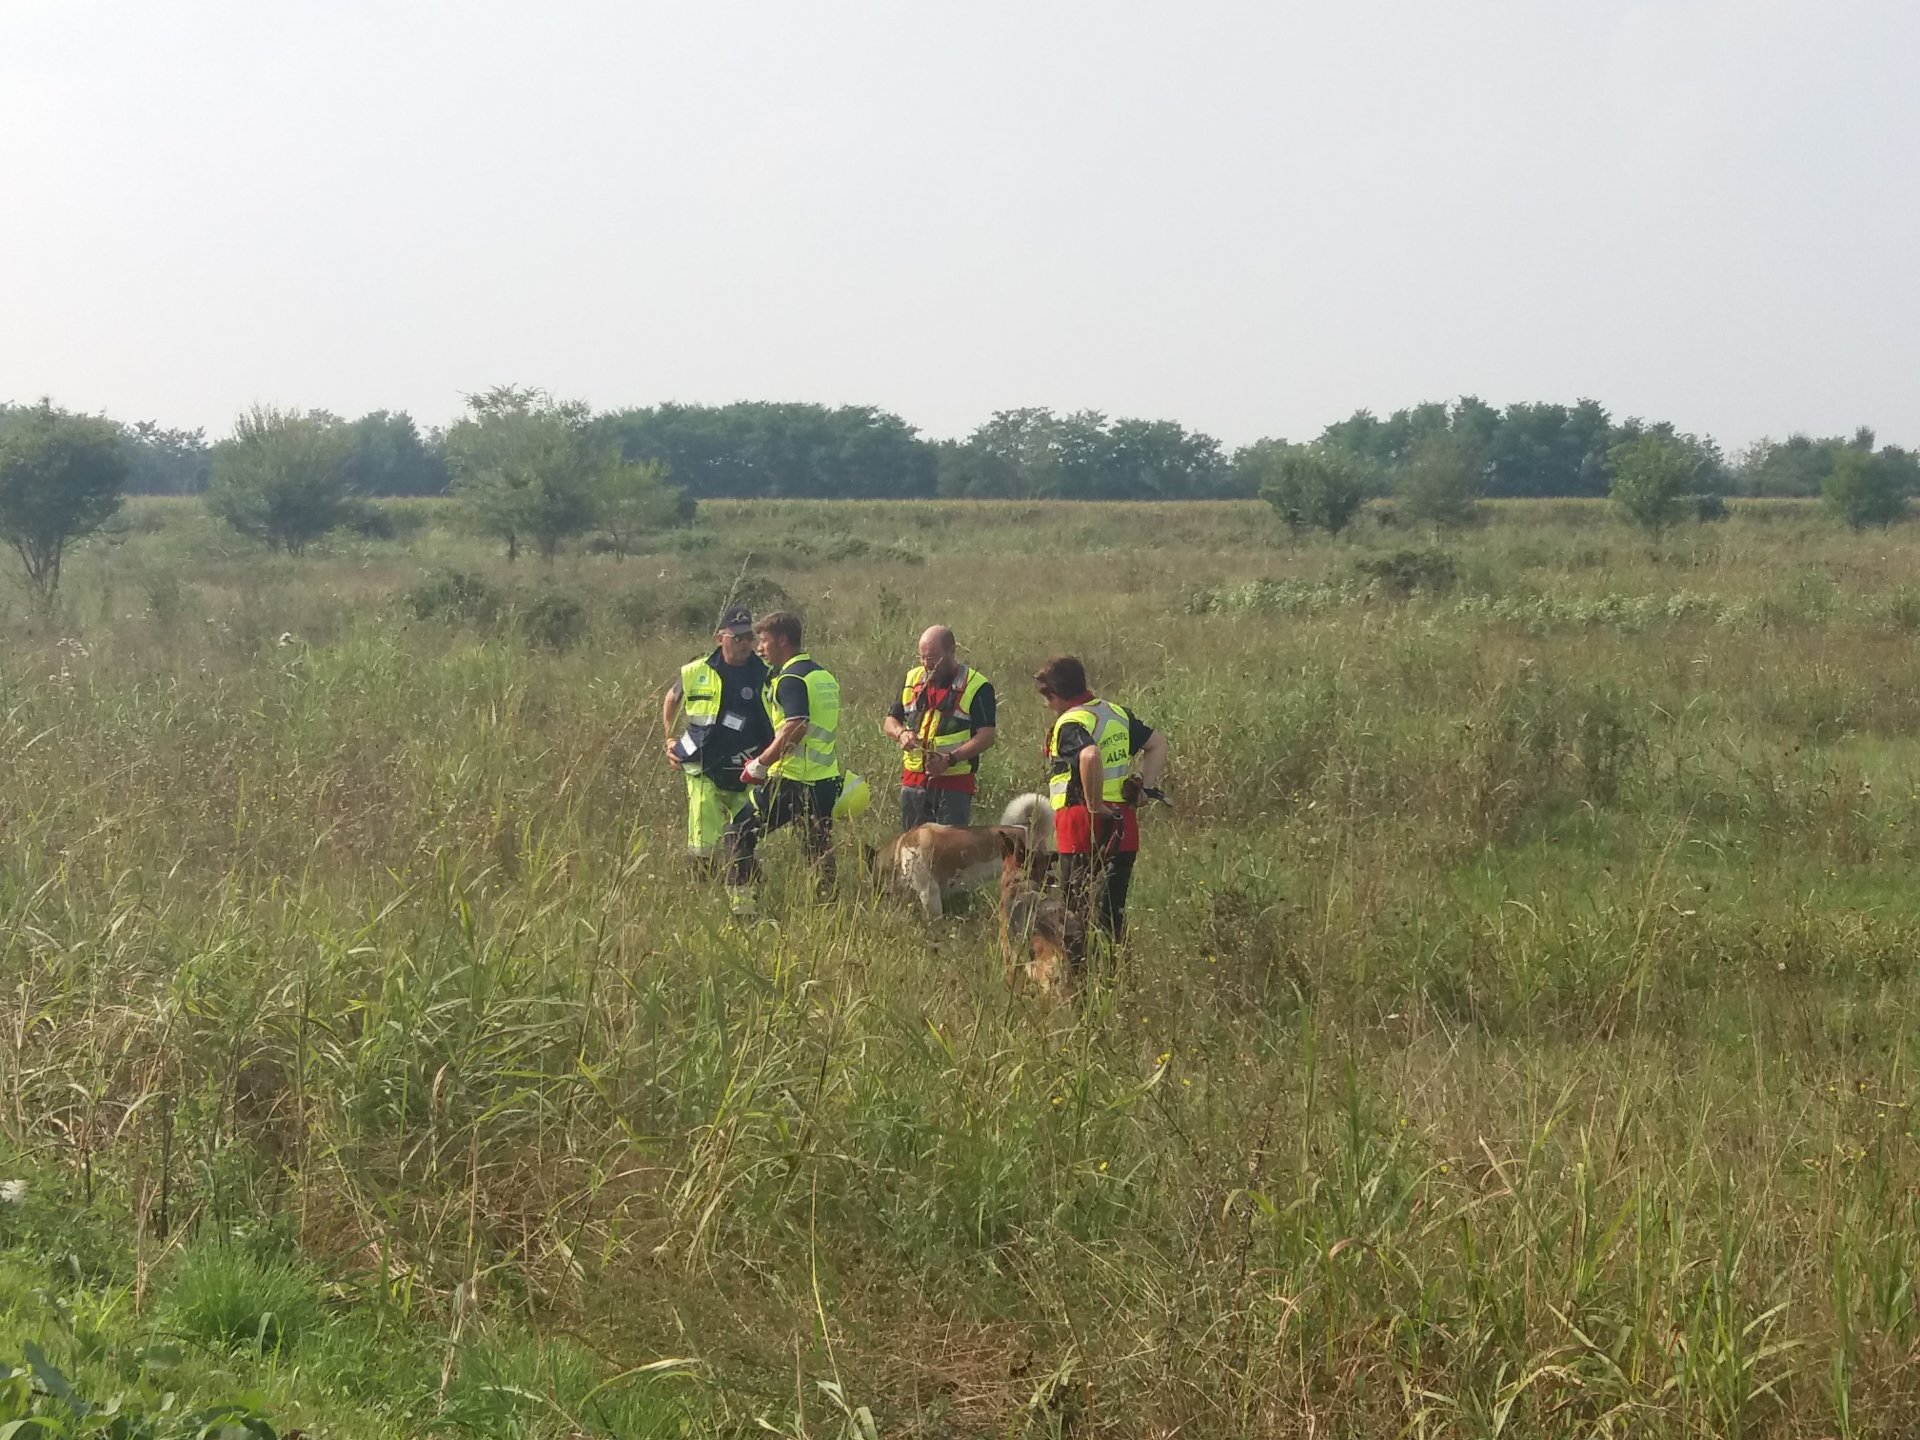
x,y
943,723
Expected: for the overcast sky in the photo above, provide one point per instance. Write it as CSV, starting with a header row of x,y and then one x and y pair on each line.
x,y
1251,217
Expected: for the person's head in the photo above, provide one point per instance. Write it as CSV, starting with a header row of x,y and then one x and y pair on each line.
x,y
735,634
778,633
1061,681
936,652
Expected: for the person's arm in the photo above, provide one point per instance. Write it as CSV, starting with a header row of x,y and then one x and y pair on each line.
x,y
985,727
1152,761
793,700
894,726
1091,790
985,732
977,744
669,713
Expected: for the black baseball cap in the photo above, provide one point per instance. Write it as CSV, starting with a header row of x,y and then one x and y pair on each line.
x,y
736,620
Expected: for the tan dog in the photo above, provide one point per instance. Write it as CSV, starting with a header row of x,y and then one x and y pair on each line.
x,y
1039,935
933,862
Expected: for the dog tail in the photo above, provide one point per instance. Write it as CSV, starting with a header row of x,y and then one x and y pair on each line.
x,y
1031,813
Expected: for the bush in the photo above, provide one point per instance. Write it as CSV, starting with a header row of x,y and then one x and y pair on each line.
x,y
1862,489
1709,509
555,620
453,595
283,479
639,610
1313,487
1406,572
707,595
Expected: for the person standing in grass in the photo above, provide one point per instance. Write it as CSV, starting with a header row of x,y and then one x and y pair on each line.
x,y
943,723
796,776
721,699
1101,762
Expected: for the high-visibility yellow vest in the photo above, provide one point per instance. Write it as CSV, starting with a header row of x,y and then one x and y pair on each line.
x,y
700,700
1109,728
816,757
947,729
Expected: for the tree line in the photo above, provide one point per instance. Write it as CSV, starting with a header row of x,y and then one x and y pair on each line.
x,y
534,473
760,449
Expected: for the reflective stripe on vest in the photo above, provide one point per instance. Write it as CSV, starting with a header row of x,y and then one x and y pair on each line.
x,y
701,696
816,757
1107,724
940,729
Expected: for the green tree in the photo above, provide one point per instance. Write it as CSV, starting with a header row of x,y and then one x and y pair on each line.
x,y
62,477
632,498
525,467
1314,487
282,477
1653,479
388,456
1863,489
1442,480
166,462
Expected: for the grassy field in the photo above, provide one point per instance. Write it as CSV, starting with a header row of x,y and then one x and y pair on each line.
x,y
1517,1035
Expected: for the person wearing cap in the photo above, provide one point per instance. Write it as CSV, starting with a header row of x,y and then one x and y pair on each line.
x,y
797,777
720,699
1101,761
943,723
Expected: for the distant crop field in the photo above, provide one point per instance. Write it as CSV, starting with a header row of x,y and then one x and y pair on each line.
x,y
1516,1034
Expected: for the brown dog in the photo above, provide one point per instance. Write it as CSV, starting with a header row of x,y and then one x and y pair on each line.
x,y
932,862
1039,936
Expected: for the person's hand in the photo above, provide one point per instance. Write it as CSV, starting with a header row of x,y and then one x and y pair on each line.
x,y
673,751
938,762
908,741
753,772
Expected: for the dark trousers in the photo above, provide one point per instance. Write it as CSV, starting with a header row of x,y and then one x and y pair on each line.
x,y
1095,886
920,805
806,805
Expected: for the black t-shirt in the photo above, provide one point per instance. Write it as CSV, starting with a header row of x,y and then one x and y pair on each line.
x,y
790,694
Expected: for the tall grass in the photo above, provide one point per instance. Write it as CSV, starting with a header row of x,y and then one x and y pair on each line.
x,y
1514,1038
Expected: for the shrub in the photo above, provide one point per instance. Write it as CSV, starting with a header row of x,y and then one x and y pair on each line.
x,y
639,610
1406,572
1862,489
454,595
555,620
1651,480
283,478
1313,487
61,478
707,595
1709,509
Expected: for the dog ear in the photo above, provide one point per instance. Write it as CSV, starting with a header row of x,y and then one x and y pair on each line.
x,y
1012,843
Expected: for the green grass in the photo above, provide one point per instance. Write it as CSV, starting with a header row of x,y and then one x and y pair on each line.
x,y
1516,1036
